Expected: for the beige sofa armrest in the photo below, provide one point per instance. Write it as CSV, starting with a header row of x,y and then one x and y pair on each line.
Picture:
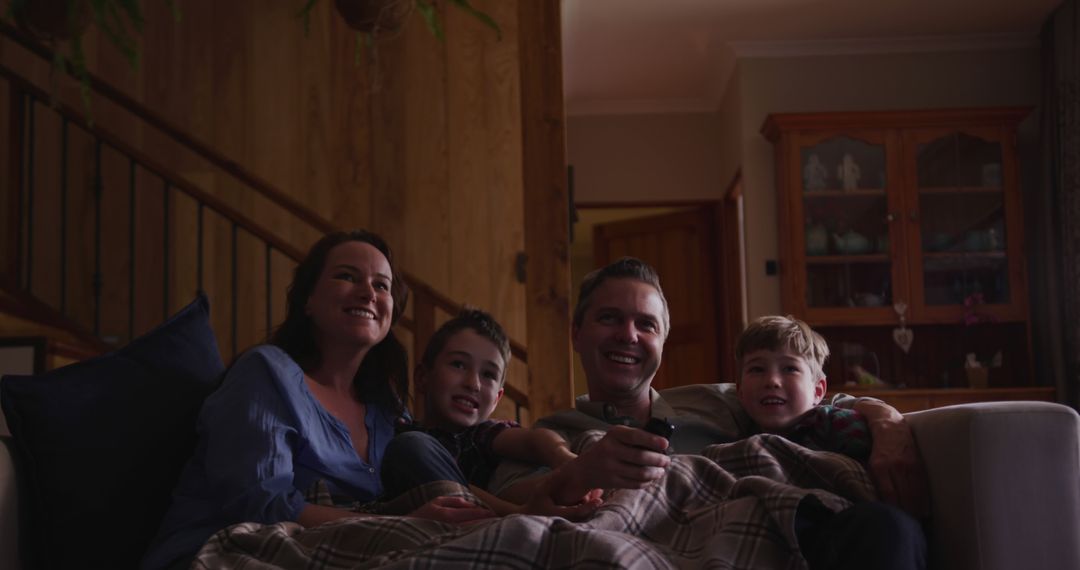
x,y
1005,484
9,512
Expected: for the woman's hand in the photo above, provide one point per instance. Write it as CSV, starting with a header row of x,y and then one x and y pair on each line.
x,y
453,510
895,464
543,502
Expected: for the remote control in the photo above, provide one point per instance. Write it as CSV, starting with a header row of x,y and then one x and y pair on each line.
x,y
662,428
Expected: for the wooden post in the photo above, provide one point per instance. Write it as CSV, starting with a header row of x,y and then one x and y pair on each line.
x,y
546,202
423,329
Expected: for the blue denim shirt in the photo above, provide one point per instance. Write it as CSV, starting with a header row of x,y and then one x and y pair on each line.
x,y
264,440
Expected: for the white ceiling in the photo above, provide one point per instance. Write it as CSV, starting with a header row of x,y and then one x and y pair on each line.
x,y
625,56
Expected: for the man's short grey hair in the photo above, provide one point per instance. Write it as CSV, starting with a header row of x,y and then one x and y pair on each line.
x,y
624,268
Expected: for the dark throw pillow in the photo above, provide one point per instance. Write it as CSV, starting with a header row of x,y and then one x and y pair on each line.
x,y
101,443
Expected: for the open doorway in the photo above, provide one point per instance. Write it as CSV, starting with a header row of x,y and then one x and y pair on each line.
x,y
699,268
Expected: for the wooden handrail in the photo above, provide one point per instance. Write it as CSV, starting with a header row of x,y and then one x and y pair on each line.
x,y
25,306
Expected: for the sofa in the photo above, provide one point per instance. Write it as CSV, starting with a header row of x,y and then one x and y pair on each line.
x,y
1004,476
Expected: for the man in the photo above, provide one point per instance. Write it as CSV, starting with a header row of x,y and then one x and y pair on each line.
x,y
619,327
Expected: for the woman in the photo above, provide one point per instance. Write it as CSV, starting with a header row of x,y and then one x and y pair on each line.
x,y
317,405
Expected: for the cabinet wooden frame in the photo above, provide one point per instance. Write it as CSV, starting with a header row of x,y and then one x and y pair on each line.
x,y
899,133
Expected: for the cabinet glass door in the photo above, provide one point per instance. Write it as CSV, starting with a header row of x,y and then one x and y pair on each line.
x,y
845,209
961,220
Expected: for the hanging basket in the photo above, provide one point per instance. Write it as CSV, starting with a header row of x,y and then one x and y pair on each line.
x,y
371,16
54,20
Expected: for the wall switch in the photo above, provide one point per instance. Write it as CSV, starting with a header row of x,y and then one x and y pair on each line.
x,y
770,267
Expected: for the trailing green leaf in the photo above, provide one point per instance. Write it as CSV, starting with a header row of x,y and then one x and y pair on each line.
x,y
305,15
479,15
430,13
175,9
120,21
362,39
15,8
428,10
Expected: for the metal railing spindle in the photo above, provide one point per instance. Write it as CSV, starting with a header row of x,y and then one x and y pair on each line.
x,y
30,159
98,281
235,289
165,253
269,303
131,249
199,248
63,213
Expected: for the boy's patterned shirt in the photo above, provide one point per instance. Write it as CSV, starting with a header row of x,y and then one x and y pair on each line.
x,y
829,428
471,448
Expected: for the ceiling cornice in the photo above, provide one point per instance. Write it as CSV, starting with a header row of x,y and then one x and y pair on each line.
x,y
638,106
854,46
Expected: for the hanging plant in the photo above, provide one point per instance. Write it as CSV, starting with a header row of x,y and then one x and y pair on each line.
x,y
372,18
57,22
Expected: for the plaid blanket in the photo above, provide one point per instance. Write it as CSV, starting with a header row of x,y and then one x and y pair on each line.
x,y
731,507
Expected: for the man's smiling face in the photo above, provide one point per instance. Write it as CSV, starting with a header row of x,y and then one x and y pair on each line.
x,y
621,339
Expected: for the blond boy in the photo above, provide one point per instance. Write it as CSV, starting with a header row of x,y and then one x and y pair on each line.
x,y
781,383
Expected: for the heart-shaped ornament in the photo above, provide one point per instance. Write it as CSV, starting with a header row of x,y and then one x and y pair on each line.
x,y
903,337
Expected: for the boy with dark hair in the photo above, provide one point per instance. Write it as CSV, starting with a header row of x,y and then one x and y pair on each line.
x,y
461,377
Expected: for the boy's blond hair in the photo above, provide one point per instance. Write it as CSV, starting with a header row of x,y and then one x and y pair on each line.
x,y
775,332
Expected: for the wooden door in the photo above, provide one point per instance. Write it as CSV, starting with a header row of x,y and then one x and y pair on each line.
x,y
681,248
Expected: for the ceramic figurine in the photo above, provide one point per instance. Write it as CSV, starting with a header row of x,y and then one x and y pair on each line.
x,y
991,175
814,174
848,172
817,240
851,242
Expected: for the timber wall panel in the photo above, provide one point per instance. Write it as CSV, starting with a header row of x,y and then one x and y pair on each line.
x,y
421,142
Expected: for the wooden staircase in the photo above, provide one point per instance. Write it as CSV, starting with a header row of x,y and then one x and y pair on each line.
x,y
101,241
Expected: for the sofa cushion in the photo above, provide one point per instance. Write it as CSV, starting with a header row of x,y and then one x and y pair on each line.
x,y
102,442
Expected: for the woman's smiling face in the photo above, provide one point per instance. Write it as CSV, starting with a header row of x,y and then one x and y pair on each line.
x,y
351,302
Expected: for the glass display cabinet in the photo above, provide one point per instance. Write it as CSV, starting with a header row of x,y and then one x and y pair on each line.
x,y
919,208
907,224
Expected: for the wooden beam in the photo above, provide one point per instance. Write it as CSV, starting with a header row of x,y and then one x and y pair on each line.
x,y
547,287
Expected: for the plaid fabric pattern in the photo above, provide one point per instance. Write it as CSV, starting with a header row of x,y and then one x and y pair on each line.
x,y
732,507
828,428
471,448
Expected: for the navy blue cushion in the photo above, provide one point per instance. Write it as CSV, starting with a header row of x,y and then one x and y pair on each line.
x,y
101,443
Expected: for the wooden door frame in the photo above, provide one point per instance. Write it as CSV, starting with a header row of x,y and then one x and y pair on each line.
x,y
732,304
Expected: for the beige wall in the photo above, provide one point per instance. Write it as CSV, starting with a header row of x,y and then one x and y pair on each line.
x,y
645,158
856,83
650,158
729,159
